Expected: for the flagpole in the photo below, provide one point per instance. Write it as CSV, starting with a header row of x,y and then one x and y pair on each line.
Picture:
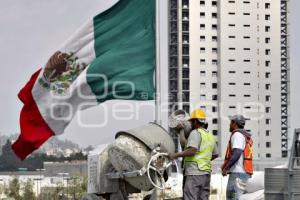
x,y
158,67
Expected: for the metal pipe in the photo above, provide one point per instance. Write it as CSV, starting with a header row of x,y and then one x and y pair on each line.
x,y
158,67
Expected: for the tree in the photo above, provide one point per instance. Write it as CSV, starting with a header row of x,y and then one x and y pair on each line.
x,y
2,189
28,191
14,189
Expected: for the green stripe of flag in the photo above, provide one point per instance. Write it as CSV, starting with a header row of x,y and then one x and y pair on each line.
x,y
124,42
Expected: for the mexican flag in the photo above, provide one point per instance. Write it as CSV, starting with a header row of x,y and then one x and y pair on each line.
x,y
112,56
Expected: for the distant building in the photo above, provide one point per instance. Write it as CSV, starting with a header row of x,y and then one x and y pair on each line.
x,y
74,168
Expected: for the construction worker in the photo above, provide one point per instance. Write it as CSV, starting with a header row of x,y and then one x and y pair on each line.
x,y
238,159
200,149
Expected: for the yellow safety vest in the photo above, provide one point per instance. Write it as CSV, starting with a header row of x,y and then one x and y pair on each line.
x,y
204,155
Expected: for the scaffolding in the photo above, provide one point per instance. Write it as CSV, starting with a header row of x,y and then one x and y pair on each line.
x,y
284,78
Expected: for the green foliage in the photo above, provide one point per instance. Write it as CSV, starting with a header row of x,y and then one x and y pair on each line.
x,y
77,187
14,189
28,191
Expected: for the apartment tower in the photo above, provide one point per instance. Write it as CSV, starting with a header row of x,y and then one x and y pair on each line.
x,y
232,57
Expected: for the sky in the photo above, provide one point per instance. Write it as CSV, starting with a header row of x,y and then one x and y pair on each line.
x,y
32,30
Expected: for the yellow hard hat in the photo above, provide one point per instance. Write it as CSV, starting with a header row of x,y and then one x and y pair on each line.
x,y
198,114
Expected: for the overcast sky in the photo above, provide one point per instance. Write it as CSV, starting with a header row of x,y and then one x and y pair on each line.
x,y
32,30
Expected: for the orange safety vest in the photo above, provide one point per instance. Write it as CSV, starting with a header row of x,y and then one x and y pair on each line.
x,y
248,152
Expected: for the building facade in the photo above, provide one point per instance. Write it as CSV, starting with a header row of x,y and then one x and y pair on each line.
x,y
231,57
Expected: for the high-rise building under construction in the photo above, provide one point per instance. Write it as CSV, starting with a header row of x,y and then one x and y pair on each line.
x,y
232,57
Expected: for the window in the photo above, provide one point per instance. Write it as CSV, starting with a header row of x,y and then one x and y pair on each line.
x,y
267,28
202,97
268,52
214,3
185,50
185,73
232,95
247,107
267,5
186,96
267,40
185,39
231,48
268,75
231,13
268,121
268,109
214,97
202,73
247,72
246,2
202,26
202,38
247,84
202,86
267,17
202,3
215,132
214,50
202,61
268,86
231,36
246,13
268,155
214,86
203,108
214,109
202,50
232,107
202,14
214,38
231,72
232,83
231,25
247,60
246,25
231,60
186,108
247,95
247,49
215,121
214,15
268,98
246,37
268,132
185,27
214,74
214,62
185,85
231,1
214,27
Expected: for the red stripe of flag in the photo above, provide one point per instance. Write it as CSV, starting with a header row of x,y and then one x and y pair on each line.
x,y
34,129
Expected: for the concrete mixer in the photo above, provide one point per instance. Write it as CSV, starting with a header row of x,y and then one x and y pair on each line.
x,y
136,161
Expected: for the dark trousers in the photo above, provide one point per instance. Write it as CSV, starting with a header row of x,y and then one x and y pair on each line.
x,y
196,187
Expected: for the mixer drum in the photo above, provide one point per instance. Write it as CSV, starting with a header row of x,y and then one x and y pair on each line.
x,y
131,151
